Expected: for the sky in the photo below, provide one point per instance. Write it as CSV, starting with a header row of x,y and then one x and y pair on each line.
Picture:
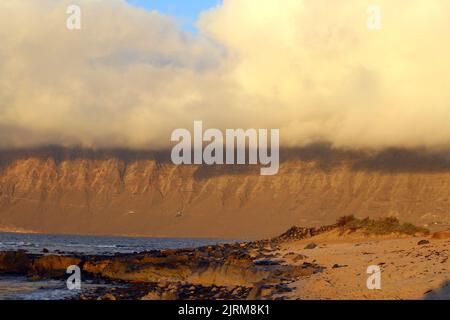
x,y
311,68
186,11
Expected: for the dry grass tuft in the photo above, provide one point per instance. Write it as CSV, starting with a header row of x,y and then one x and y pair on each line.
x,y
380,226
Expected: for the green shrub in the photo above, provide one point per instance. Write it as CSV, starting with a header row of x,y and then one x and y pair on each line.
x,y
380,226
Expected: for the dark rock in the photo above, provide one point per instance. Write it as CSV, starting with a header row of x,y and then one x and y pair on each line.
x,y
45,250
298,233
307,265
310,246
282,288
266,263
14,262
423,242
337,266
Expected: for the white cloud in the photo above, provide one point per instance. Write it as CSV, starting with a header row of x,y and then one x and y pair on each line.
x,y
311,68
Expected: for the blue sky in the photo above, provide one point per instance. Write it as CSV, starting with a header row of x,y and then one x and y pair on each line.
x,y
186,11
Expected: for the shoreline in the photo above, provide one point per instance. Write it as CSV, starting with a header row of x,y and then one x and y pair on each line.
x,y
302,263
136,236
223,271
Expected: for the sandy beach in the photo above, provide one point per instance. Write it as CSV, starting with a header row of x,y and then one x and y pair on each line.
x,y
408,270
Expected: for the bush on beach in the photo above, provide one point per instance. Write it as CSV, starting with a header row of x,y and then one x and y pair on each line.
x,y
380,226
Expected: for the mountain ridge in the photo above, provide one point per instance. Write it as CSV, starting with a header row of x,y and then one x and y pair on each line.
x,y
144,194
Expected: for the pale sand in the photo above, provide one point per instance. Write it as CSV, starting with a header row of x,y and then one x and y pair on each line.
x,y
409,270
15,230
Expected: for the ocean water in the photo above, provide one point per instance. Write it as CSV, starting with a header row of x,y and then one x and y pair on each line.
x,y
23,288
93,245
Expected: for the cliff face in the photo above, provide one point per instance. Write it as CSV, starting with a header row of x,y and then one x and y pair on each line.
x,y
146,197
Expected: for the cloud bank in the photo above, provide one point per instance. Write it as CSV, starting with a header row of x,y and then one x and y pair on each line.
x,y
311,68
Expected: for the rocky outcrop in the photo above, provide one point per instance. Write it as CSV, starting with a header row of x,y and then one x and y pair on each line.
x,y
226,271
14,262
299,233
36,266
52,266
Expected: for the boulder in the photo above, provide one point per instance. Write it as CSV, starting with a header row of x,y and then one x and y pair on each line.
x,y
441,235
311,246
14,262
